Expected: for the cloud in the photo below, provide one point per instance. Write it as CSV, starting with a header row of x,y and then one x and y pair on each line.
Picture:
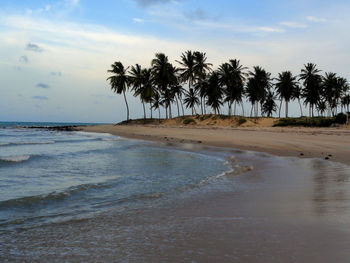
x,y
146,3
58,74
40,98
24,59
138,20
42,85
316,19
293,24
34,47
18,68
74,2
197,14
270,29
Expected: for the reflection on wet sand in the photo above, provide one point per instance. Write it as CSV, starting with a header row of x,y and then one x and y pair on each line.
x,y
331,188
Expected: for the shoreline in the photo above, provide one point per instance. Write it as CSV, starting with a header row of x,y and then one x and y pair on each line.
x,y
326,143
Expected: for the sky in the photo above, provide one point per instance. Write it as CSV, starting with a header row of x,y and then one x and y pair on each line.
x,y
54,55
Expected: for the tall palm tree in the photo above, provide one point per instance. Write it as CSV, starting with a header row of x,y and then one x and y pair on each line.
x,y
119,81
258,85
187,69
191,100
201,88
321,107
312,82
285,88
148,89
156,103
178,91
214,92
164,75
136,80
346,102
239,77
202,67
297,95
232,77
269,106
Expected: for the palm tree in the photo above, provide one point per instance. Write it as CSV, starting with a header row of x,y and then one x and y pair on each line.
x,y
119,82
201,88
136,80
214,92
345,101
297,95
164,75
269,106
156,103
312,82
202,67
187,70
178,91
191,100
258,85
239,77
321,107
148,89
232,77
285,88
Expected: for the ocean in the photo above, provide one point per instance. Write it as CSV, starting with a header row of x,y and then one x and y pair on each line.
x,y
56,176
72,196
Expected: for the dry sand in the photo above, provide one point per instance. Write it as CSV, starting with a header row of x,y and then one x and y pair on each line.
x,y
325,143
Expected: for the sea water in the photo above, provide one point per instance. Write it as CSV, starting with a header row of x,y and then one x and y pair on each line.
x,y
55,176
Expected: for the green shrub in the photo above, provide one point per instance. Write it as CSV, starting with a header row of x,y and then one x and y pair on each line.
x,y
189,121
241,121
306,122
340,118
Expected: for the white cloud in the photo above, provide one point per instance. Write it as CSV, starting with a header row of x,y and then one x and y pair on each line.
x,y
316,19
138,20
271,29
293,24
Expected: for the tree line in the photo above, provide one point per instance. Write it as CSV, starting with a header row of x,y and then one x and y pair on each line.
x,y
163,85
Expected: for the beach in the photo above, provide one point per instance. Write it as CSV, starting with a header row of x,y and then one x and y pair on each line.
x,y
330,143
175,194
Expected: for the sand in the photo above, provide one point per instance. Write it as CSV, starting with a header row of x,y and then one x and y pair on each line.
x,y
325,143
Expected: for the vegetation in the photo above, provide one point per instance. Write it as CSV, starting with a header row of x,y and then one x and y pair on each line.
x,y
195,85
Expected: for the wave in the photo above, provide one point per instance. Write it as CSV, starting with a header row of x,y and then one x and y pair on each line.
x,y
25,143
53,196
14,159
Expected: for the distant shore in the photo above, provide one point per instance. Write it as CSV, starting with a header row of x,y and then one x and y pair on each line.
x,y
326,143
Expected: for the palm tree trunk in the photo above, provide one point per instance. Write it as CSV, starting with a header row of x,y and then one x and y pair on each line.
x,y
178,109
170,115
234,109
229,108
192,110
301,110
279,110
159,113
166,112
144,110
182,106
286,109
251,111
150,106
127,106
242,109
202,106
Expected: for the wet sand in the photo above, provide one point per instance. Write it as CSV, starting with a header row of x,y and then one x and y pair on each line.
x,y
324,143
